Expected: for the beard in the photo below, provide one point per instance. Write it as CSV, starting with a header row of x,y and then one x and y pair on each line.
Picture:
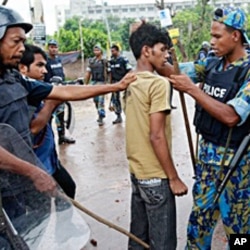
x,y
4,66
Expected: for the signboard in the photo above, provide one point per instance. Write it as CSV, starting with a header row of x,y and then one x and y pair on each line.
x,y
174,32
165,18
39,33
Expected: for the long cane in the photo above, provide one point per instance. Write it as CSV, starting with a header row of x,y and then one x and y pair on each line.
x,y
109,224
233,165
184,109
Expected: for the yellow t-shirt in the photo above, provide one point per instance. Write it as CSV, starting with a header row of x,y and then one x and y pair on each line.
x,y
149,94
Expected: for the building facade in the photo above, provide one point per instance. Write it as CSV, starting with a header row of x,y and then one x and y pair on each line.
x,y
89,9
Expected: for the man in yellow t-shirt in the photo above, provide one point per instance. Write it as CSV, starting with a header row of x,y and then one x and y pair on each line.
x,y
155,181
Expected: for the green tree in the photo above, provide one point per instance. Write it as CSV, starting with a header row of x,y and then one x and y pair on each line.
x,y
72,24
69,36
194,25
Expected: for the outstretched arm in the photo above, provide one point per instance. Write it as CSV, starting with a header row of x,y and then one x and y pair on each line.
x,y
166,70
76,92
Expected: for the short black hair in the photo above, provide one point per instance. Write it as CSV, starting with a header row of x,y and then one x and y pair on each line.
x,y
29,54
114,46
148,34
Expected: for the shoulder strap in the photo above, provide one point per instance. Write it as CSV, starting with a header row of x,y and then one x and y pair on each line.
x,y
212,63
241,74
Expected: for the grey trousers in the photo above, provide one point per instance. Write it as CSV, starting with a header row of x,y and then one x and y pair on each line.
x,y
153,214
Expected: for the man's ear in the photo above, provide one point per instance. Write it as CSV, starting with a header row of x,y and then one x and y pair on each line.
x,y
146,51
236,35
22,68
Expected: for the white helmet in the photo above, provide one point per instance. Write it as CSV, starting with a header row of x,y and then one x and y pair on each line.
x,y
206,45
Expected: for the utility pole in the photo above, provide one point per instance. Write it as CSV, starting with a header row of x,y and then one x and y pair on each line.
x,y
81,43
107,27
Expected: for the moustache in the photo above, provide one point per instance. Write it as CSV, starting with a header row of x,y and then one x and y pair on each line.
x,y
16,57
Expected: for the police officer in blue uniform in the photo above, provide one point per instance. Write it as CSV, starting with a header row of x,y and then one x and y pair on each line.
x,y
203,52
55,68
222,118
119,66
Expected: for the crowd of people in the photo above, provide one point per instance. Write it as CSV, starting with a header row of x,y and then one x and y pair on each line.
x,y
222,119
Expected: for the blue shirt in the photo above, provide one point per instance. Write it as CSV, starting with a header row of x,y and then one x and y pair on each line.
x,y
44,146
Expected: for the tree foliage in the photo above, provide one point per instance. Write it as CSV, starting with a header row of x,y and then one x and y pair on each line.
x,y
194,26
69,36
193,30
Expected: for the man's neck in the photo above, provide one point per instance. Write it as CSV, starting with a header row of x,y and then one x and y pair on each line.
x,y
235,56
52,56
99,57
144,65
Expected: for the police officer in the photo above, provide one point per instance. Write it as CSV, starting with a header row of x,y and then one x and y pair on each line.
x,y
203,52
222,118
55,68
16,93
97,72
119,66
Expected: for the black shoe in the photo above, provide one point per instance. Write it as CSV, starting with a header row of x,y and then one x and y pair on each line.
x,y
118,120
100,122
64,139
173,107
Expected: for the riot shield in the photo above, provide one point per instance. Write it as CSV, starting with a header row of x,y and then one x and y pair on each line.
x,y
42,221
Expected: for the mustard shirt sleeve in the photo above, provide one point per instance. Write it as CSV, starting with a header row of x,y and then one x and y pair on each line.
x,y
159,93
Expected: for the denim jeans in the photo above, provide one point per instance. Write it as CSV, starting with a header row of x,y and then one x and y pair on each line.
x,y
115,99
99,101
153,214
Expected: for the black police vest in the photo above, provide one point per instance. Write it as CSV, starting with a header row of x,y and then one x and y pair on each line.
x,y
55,68
222,86
13,105
98,68
118,69
14,111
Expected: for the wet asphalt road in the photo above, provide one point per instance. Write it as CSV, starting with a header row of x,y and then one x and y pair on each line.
x,y
98,164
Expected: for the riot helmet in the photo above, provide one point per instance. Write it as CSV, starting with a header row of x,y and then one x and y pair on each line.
x,y
206,45
10,18
52,42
